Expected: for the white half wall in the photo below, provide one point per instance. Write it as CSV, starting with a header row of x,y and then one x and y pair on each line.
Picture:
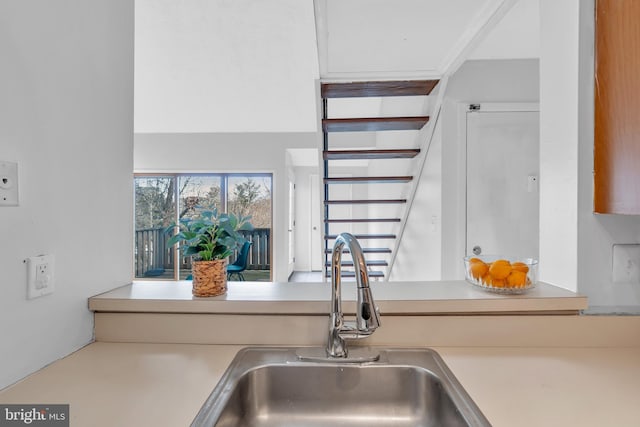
x,y
66,117
230,152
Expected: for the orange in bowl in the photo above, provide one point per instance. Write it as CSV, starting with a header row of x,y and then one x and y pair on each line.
x,y
500,269
517,279
478,269
520,266
497,283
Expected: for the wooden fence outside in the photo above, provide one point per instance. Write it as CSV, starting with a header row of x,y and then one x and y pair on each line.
x,y
153,256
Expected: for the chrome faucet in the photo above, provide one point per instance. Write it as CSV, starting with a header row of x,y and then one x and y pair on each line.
x,y
367,314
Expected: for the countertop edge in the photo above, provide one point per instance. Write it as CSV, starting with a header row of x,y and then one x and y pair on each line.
x,y
447,297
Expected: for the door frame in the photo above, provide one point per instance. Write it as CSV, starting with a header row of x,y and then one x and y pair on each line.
x,y
291,226
453,266
315,212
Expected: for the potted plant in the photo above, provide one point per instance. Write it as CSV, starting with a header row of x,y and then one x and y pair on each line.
x,y
209,239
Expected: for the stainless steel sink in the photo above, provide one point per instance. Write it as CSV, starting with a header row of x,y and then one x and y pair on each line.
x,y
276,387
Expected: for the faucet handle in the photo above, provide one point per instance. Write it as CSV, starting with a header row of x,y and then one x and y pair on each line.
x,y
373,322
366,311
368,315
368,319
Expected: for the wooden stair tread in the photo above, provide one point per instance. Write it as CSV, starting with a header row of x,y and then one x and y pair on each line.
x,y
343,273
348,220
363,236
364,201
372,262
367,179
371,154
365,250
372,124
379,88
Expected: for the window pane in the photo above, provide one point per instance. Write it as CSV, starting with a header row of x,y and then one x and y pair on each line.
x,y
250,195
154,211
199,193
156,208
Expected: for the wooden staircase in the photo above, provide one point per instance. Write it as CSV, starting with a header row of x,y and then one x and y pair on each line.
x,y
376,257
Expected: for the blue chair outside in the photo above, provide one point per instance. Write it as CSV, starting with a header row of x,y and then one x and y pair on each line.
x,y
240,263
154,272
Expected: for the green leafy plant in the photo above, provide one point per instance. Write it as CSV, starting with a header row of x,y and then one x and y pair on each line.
x,y
210,236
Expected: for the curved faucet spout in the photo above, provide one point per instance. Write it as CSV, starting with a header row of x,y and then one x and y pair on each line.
x,y
367,315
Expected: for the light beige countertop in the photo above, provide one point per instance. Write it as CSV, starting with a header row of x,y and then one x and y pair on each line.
x,y
117,384
456,296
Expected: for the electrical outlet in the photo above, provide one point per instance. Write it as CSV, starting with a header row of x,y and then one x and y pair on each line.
x,y
8,184
40,280
42,275
626,264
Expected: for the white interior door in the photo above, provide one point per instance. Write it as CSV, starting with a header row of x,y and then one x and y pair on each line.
x,y
502,183
292,227
315,251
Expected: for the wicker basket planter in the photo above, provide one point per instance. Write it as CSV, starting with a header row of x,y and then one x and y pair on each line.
x,y
209,278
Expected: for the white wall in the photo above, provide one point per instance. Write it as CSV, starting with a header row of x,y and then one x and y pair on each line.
x,y
433,243
559,107
476,81
230,152
419,255
517,35
225,66
66,116
597,233
515,80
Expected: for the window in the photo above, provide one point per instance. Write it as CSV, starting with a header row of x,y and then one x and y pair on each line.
x,y
156,208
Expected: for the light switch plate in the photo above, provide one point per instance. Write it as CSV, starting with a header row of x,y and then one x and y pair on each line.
x,y
40,276
626,264
8,183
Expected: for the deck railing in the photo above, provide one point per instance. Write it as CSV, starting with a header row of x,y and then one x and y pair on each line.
x,y
151,251
152,254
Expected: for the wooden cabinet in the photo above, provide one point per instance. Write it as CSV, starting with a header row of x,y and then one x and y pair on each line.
x,y
617,107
